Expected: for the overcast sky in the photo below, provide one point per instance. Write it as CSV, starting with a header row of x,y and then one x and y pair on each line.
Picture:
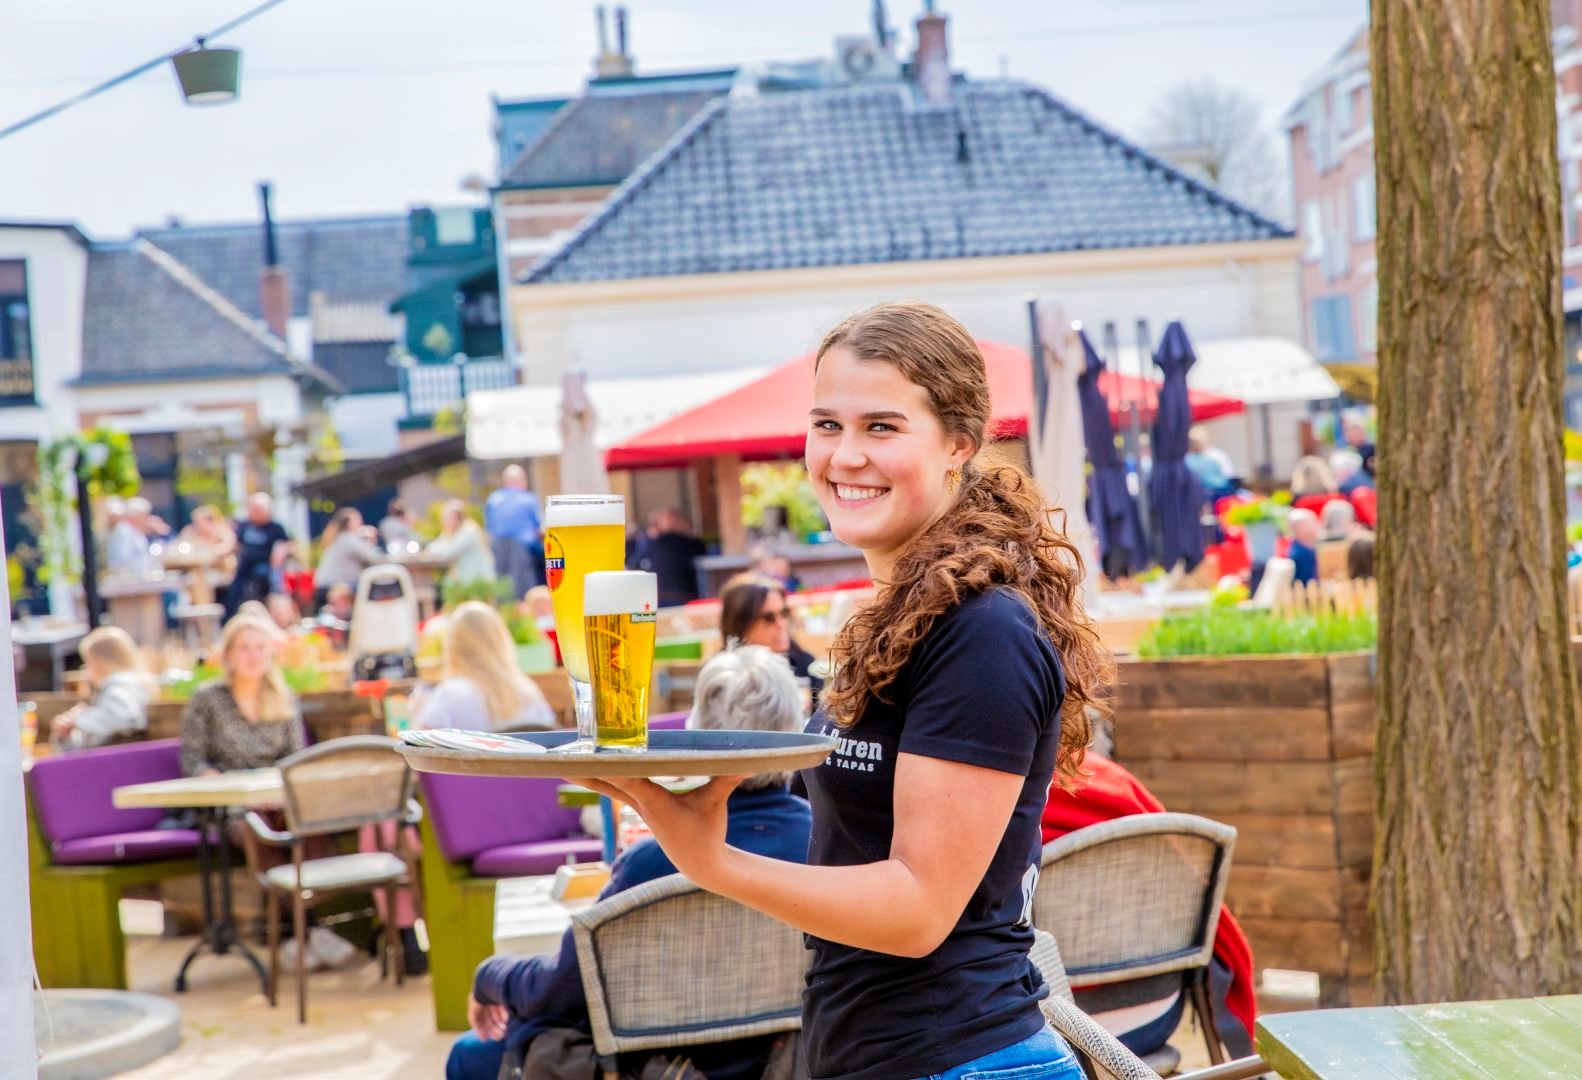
x,y
369,106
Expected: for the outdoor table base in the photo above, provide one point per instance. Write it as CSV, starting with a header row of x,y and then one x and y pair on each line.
x,y
219,920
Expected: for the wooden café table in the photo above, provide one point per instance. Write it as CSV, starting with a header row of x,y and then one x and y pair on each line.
x,y
1478,1040
212,797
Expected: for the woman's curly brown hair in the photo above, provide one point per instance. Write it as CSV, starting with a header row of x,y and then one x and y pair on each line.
x,y
997,534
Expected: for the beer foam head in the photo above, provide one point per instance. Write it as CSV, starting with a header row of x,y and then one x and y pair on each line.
x,y
620,592
570,510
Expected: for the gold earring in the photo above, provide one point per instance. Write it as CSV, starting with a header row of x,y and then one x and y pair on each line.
x,y
953,477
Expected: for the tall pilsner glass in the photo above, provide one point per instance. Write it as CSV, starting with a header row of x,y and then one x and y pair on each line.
x,y
582,534
619,612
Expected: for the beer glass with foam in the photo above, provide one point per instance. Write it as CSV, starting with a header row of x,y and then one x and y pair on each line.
x,y
583,534
619,611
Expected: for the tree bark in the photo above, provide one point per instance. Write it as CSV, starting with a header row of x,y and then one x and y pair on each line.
x,y
1477,882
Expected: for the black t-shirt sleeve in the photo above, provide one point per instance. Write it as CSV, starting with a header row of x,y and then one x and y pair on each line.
x,y
986,685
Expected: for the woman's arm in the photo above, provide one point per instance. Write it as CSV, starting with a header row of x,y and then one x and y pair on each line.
x,y
949,820
367,553
297,736
195,722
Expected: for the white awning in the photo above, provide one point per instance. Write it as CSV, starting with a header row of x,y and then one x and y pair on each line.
x,y
524,421
1257,370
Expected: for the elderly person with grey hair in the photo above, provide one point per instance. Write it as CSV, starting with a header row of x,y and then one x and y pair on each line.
x,y
514,998
1349,474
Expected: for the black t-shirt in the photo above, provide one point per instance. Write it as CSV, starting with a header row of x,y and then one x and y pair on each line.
x,y
984,688
253,545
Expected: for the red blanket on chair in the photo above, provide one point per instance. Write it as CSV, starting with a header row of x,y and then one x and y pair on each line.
x,y
1112,792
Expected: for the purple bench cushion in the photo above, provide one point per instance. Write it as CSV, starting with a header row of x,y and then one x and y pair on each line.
x,y
71,791
471,814
539,857
670,721
144,846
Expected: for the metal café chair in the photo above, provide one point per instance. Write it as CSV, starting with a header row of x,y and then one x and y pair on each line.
x,y
668,965
1137,900
335,787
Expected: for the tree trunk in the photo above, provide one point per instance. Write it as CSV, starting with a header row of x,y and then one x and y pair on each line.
x,y
1477,884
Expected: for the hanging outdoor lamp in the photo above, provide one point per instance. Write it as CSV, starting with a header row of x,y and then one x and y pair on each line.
x,y
208,76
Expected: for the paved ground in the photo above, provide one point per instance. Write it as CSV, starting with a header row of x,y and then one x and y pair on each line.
x,y
358,1028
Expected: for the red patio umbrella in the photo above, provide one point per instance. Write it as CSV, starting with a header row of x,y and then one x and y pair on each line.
x,y
767,418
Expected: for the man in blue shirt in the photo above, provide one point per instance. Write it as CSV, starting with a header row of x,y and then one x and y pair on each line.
x,y
515,998
516,528
1304,545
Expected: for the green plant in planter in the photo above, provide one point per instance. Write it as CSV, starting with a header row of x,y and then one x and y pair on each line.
x,y
495,592
301,680
1222,631
524,629
1274,510
783,484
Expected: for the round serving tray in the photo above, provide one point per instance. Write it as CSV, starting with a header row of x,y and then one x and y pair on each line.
x,y
669,753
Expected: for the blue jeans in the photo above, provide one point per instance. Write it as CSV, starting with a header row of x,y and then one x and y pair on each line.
x,y
1041,1056
471,1058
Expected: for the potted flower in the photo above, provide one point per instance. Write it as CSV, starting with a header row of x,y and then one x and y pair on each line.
x,y
534,653
1261,519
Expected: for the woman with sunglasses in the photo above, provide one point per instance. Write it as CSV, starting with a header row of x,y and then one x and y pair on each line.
x,y
753,611
959,692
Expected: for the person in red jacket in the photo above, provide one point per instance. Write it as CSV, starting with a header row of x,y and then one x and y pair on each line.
x,y
1112,792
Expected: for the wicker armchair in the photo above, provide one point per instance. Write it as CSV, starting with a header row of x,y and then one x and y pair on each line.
x,y
668,965
1171,869
1102,1055
334,787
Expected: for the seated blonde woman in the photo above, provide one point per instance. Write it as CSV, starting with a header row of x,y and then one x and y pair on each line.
x,y
248,718
482,690
117,708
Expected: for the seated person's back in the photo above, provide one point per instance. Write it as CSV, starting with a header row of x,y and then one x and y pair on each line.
x,y
1139,1012
482,689
118,707
515,998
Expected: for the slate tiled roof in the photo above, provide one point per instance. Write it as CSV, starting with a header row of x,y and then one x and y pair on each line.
x,y
148,318
867,174
602,136
348,259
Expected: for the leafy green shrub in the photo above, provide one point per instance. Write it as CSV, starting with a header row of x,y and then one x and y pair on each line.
x,y
493,591
781,484
523,628
301,680
1220,631
1275,508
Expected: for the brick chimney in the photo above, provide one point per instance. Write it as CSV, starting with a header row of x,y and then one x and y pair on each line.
x,y
274,289
616,63
932,63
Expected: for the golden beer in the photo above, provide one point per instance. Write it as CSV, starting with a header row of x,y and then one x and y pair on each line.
x,y
619,620
582,534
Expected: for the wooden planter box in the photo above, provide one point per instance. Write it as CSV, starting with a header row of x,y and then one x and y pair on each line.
x,y
327,714
1281,748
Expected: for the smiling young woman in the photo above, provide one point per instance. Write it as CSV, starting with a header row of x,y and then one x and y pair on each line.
x,y
959,693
